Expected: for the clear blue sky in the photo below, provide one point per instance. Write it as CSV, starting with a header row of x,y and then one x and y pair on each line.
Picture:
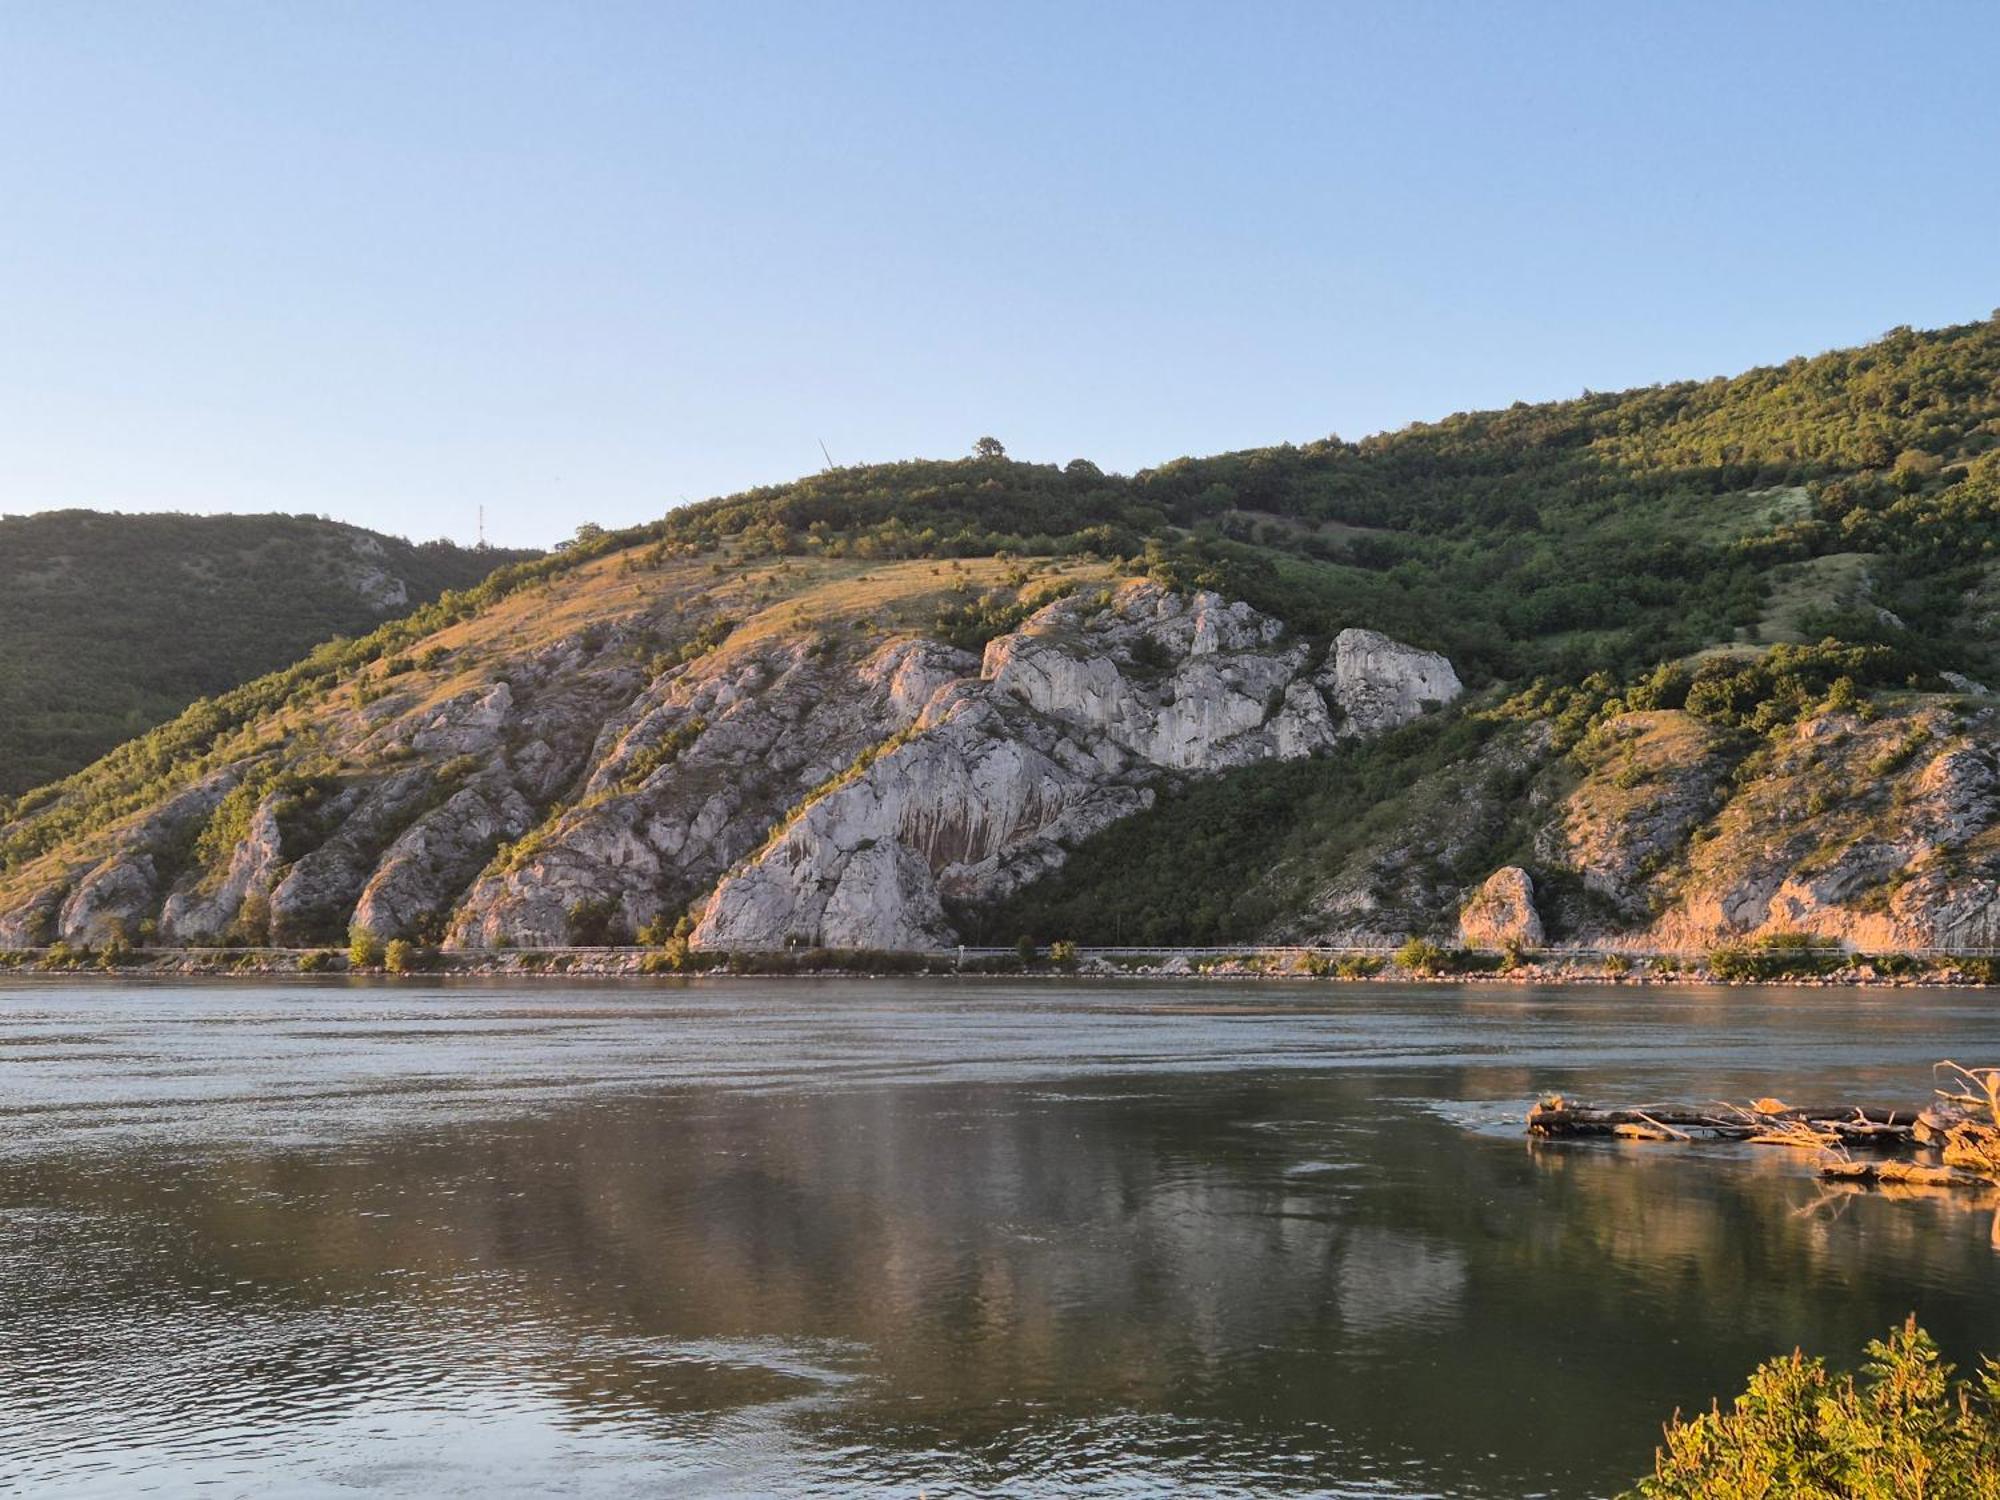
x,y
583,261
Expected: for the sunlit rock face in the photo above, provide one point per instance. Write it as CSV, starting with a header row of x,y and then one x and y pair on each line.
x,y
1071,721
1502,912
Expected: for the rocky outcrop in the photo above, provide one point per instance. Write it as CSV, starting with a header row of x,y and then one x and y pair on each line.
x,y
117,896
692,776
205,913
1649,780
1073,718
1379,684
1501,913
427,867
981,800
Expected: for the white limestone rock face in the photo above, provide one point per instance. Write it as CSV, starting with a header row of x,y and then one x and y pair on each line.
x,y
1188,684
732,744
124,889
519,782
429,864
1380,684
201,914
976,804
314,902
469,724
1073,718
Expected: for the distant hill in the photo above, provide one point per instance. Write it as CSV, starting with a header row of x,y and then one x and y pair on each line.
x,y
1682,667
110,624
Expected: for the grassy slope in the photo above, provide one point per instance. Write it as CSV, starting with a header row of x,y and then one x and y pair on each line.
x,y
110,624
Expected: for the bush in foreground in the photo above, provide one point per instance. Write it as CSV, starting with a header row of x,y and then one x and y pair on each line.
x,y
1905,1430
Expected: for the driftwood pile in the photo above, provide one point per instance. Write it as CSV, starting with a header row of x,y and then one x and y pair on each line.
x,y
1952,1142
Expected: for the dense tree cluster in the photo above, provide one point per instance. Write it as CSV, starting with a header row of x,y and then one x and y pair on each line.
x,y
110,624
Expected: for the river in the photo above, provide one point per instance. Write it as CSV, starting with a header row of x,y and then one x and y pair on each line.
x,y
933,1238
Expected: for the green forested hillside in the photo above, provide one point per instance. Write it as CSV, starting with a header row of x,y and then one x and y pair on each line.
x,y
1605,532
110,624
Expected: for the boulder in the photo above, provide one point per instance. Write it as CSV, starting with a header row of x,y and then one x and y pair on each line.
x,y
1502,912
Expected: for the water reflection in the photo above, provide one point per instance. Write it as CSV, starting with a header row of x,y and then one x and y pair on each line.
x,y
1293,1251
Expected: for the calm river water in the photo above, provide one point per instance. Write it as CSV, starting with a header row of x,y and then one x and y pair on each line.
x,y
921,1238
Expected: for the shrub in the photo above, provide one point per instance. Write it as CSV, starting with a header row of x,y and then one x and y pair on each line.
x,y
1421,956
364,949
1357,966
1063,954
1904,1429
62,956
662,752
674,957
316,962
594,923
1778,955
400,957
1025,949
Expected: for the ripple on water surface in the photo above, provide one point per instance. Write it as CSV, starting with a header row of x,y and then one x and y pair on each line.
x,y
918,1238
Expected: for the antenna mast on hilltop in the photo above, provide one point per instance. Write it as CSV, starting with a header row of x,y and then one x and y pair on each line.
x,y
827,456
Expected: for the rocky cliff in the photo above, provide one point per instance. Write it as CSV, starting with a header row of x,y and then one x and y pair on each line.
x,y
785,750
1067,727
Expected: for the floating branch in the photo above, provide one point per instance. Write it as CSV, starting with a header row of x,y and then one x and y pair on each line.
x,y
1954,1142
1765,1122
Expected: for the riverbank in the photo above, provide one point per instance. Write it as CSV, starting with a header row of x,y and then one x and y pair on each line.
x,y
1808,968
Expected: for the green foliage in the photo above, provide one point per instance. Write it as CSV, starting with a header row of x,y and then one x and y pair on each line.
x,y
1421,956
1760,691
1905,1429
664,751
971,624
595,923
364,949
1218,860
712,634
674,958
1787,682
1063,954
400,957
110,624
318,961
1782,955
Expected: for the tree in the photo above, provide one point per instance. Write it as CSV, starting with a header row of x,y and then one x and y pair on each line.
x,y
988,447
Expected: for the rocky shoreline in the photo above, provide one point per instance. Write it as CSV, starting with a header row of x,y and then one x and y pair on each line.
x,y
1898,971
